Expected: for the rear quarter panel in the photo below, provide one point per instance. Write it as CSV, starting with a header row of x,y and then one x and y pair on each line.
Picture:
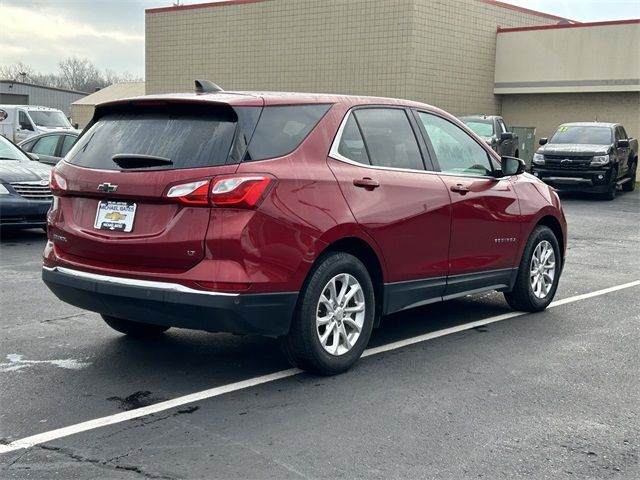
x,y
301,216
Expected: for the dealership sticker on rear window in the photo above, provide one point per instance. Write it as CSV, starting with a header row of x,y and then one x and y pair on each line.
x,y
115,216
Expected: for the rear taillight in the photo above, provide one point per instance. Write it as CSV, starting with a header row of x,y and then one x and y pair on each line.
x,y
57,183
240,191
193,193
233,191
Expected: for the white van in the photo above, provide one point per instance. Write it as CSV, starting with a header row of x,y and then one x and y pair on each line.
x,y
19,122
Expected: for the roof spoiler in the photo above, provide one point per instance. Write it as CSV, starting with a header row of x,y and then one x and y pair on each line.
x,y
205,86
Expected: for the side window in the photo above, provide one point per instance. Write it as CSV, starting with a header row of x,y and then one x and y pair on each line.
x,y
281,129
67,143
351,144
623,132
455,151
26,146
503,127
389,138
24,122
46,145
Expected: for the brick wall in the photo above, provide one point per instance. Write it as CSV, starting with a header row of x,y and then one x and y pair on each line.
x,y
454,52
439,52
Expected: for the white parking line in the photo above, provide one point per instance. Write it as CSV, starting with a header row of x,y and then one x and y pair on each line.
x,y
33,440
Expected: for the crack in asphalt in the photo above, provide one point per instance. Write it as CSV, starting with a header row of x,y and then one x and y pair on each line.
x,y
21,324
244,445
66,317
108,464
149,420
16,460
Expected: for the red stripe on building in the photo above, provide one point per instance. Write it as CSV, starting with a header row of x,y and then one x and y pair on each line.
x,y
525,10
570,25
221,3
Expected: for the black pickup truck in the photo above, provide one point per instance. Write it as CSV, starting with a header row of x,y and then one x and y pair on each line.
x,y
494,131
588,157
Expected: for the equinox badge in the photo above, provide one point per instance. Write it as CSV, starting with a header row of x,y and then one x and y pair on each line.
x,y
107,187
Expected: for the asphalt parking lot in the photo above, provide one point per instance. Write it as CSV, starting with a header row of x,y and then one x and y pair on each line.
x,y
548,395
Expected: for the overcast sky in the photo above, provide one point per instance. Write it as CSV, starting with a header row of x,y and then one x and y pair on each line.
x,y
110,33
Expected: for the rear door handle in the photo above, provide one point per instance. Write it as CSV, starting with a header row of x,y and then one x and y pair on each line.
x,y
366,183
459,188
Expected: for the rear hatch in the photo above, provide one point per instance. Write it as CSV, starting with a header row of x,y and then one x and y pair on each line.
x,y
113,204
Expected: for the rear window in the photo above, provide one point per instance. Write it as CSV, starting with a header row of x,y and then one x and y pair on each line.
x,y
281,129
189,137
479,127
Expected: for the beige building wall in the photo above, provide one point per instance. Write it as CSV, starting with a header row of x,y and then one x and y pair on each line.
x,y
82,110
346,46
589,58
81,114
439,52
454,52
548,110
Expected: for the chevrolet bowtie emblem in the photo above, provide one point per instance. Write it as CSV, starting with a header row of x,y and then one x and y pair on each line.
x,y
107,187
115,216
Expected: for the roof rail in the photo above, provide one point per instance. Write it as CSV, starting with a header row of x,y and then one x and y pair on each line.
x,y
205,86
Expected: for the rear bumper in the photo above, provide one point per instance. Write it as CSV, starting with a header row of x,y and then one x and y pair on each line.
x,y
173,304
576,180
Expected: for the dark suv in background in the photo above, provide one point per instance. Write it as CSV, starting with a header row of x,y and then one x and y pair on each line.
x,y
300,216
588,157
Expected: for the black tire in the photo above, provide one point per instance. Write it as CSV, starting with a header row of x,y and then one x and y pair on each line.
x,y
516,154
134,329
302,344
612,187
630,186
522,296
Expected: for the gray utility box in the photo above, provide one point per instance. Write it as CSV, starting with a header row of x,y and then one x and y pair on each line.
x,y
526,143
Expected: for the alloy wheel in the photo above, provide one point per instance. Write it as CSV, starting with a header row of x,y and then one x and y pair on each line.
x,y
340,314
542,269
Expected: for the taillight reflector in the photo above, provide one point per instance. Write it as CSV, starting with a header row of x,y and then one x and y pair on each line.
x,y
235,191
240,191
193,193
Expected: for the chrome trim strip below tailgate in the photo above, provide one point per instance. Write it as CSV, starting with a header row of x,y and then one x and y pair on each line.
x,y
133,282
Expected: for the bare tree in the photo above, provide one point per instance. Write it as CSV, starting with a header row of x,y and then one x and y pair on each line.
x,y
73,73
18,72
111,77
80,74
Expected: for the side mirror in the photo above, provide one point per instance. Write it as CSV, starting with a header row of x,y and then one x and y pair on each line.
x,y
75,125
33,156
543,141
506,136
622,143
511,166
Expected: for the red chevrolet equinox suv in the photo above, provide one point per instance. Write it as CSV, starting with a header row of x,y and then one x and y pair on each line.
x,y
300,216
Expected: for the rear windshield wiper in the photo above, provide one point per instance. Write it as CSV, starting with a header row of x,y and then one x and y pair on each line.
x,y
134,160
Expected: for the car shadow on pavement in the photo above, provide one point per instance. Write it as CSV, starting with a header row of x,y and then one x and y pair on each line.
x,y
183,361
